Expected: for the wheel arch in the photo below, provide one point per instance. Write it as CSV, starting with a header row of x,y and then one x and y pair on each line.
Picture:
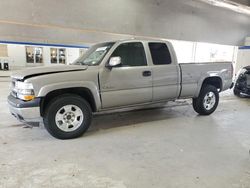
x,y
83,92
215,81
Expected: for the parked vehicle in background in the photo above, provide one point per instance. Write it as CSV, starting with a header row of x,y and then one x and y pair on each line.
x,y
242,83
113,75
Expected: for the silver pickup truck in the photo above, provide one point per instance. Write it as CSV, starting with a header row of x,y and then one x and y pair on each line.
x,y
113,75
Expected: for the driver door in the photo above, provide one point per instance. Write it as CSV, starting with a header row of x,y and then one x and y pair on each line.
x,y
131,82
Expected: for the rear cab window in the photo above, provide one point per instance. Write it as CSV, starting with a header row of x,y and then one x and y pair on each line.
x,y
160,53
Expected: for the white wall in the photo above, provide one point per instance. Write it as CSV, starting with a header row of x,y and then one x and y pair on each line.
x,y
17,57
206,52
84,21
186,52
72,54
247,41
46,55
243,59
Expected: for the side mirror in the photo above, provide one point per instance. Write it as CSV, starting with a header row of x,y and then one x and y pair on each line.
x,y
114,61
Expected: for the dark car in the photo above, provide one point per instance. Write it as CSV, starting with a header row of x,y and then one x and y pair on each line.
x,y
242,83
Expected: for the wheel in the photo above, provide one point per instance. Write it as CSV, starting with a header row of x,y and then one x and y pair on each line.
x,y
67,116
207,101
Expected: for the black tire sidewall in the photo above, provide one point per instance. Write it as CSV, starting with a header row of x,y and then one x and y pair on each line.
x,y
198,102
59,102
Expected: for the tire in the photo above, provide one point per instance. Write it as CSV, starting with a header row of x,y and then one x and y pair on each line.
x,y
67,116
236,92
207,101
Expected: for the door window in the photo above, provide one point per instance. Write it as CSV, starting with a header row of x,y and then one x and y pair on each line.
x,y
160,53
131,54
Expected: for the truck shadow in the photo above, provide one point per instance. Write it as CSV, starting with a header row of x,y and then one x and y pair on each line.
x,y
135,117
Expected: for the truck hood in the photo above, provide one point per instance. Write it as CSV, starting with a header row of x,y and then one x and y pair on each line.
x,y
51,69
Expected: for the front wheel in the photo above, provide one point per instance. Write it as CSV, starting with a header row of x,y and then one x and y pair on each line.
x,y
207,101
67,116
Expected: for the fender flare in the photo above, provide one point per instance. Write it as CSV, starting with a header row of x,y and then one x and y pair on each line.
x,y
67,85
218,75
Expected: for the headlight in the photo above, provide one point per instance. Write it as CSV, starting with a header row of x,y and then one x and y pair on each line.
x,y
24,91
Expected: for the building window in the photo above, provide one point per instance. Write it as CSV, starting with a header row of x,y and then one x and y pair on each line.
x,y
58,55
34,54
62,56
3,50
29,54
53,55
38,55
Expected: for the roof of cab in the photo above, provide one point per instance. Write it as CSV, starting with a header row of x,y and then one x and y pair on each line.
x,y
142,39
138,39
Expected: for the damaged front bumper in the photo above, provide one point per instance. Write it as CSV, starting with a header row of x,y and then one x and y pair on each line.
x,y
25,111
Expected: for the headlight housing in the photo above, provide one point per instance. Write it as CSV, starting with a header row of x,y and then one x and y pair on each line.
x,y
24,91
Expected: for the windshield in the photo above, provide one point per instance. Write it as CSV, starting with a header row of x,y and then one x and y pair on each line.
x,y
94,55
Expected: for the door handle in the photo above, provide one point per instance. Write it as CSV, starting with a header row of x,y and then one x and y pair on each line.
x,y
146,73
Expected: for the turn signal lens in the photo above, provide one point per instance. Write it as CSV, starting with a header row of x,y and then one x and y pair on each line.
x,y
28,97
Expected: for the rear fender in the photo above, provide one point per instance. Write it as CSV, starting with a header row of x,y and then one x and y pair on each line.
x,y
212,75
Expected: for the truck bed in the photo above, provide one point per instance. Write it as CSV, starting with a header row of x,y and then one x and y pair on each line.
x,y
193,75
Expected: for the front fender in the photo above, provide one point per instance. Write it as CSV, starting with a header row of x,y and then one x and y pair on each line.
x,y
66,85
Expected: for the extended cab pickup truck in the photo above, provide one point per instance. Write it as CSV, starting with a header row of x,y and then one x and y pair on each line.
x,y
113,75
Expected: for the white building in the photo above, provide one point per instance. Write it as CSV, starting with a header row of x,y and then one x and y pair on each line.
x,y
21,55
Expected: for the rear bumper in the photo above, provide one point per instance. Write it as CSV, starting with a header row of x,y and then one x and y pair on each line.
x,y
28,112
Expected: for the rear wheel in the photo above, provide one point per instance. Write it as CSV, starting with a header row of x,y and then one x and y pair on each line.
x,y
67,116
207,101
